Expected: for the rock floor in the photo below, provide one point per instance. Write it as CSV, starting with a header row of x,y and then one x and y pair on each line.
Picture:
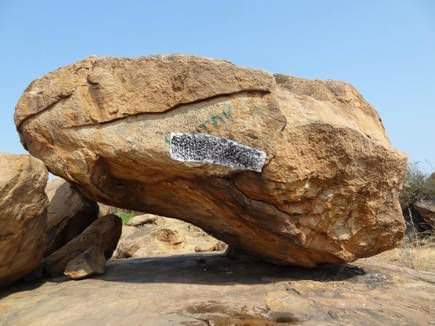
x,y
211,289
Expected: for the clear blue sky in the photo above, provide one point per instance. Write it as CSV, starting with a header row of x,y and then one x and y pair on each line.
x,y
384,48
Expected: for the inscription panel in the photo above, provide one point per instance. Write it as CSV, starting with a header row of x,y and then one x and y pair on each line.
x,y
205,148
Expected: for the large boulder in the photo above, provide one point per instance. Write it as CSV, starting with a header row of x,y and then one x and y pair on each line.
x,y
97,240
69,213
23,215
291,170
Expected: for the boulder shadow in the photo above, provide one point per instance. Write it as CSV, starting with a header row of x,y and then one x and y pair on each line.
x,y
203,268
215,269
20,286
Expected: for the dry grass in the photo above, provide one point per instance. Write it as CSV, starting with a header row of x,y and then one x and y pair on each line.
x,y
418,254
415,253
418,248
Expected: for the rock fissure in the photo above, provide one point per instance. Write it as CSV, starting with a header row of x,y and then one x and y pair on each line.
x,y
259,92
49,107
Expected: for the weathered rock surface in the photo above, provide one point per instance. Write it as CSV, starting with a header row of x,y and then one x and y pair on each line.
x,y
102,236
161,236
213,290
23,215
291,170
69,213
106,209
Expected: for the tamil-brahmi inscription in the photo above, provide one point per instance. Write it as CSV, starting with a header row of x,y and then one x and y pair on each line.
x,y
205,148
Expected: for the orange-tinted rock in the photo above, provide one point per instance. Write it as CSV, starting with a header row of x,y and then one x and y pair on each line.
x,y
23,215
291,170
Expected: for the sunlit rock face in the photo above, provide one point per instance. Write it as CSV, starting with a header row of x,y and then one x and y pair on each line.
x,y
23,216
291,170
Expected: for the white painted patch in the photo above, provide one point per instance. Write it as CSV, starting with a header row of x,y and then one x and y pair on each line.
x,y
205,148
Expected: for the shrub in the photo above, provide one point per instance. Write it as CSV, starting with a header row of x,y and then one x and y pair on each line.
x,y
124,215
417,186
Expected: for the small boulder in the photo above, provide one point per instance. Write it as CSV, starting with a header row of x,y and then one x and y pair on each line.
x,y
103,234
218,246
69,213
142,219
23,215
426,209
91,262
